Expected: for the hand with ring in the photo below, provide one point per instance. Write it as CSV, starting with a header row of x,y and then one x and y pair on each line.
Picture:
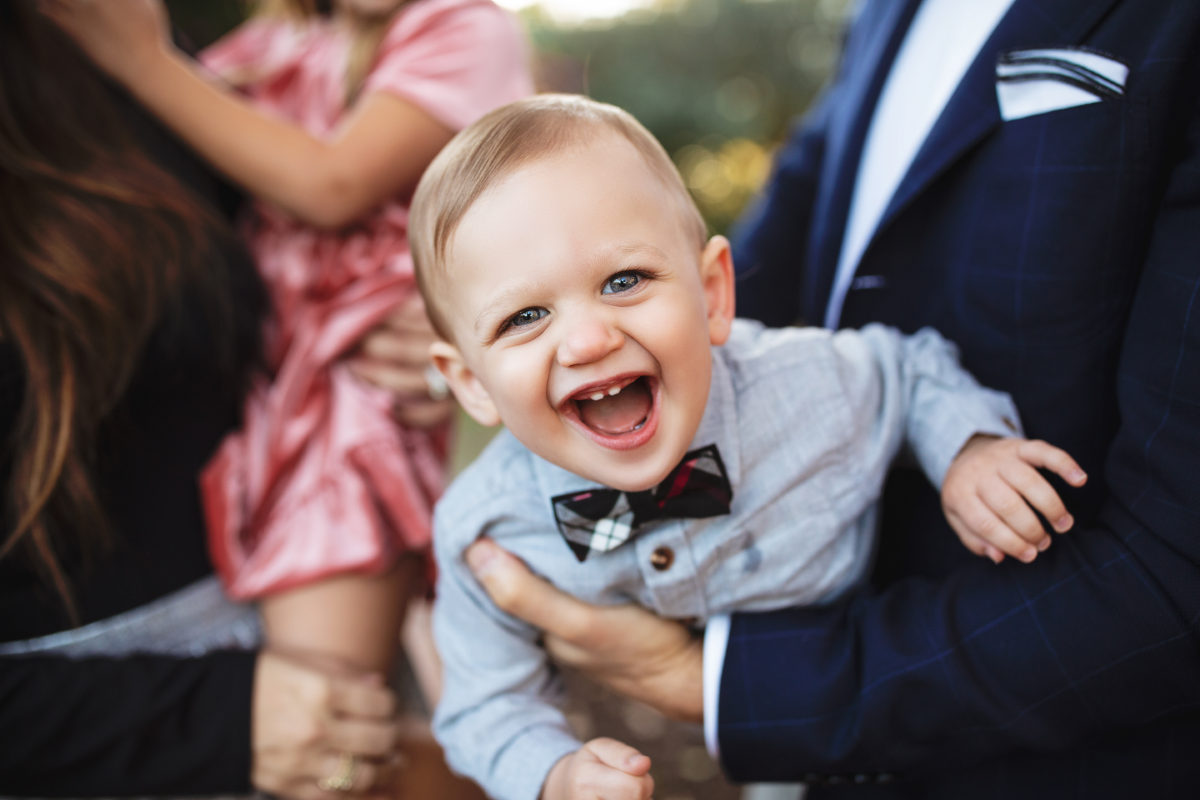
x,y
318,732
395,356
342,779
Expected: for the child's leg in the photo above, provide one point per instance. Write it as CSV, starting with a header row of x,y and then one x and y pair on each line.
x,y
349,619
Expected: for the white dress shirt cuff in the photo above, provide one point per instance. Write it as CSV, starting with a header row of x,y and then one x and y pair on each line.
x,y
716,637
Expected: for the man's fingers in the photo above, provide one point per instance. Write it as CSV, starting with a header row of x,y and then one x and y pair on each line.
x,y
516,590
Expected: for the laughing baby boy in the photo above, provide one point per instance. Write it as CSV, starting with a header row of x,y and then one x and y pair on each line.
x,y
657,450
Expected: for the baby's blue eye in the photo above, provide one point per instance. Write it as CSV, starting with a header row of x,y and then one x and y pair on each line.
x,y
621,282
526,316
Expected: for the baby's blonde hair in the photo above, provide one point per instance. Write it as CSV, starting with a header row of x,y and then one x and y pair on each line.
x,y
498,144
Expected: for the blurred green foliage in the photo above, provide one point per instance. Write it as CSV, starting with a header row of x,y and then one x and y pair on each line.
x,y
717,81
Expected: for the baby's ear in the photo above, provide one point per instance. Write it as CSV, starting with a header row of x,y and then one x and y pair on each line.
x,y
716,274
471,394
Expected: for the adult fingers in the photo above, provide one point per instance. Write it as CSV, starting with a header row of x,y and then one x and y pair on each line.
x,y
363,697
348,773
402,347
407,382
410,315
423,413
516,590
363,737
334,775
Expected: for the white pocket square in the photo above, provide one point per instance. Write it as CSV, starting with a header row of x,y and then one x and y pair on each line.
x,y
1032,82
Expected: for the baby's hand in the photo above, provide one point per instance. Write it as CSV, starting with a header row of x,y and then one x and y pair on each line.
x,y
603,769
990,487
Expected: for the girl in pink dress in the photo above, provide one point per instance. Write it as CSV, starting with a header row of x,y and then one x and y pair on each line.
x,y
312,504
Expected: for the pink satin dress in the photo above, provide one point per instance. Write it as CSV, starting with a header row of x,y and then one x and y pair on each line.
x,y
321,479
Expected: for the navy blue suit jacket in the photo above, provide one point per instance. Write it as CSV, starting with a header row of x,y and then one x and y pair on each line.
x,y
1062,253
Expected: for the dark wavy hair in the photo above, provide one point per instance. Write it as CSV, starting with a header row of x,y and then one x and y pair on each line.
x,y
97,245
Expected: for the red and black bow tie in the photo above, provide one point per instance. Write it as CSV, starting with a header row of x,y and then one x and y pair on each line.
x,y
600,519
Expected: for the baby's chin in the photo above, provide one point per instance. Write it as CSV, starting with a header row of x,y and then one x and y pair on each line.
x,y
618,476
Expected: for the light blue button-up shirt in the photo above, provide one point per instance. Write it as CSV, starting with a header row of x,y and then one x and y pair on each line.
x,y
807,423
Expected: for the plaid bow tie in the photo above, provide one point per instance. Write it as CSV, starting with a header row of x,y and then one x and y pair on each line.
x,y
600,519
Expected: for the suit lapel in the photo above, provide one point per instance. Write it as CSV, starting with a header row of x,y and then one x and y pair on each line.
x,y
878,33
972,111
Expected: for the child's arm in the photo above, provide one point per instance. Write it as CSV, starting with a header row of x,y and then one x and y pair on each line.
x,y
602,768
344,619
379,150
992,489
498,718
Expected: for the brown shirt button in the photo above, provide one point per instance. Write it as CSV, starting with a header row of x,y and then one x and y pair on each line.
x,y
662,558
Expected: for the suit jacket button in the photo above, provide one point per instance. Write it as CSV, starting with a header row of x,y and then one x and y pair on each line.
x,y
662,558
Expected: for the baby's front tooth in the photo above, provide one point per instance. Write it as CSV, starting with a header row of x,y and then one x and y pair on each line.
x,y
598,396
614,391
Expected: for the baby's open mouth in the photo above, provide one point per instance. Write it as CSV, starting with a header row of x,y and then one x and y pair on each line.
x,y
620,408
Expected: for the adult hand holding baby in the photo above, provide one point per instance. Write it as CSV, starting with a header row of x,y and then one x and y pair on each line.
x,y
626,648
310,724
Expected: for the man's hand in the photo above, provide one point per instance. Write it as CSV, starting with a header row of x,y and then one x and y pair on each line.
x,y
992,489
625,648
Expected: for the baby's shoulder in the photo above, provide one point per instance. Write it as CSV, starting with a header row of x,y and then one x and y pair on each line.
x,y
755,353
500,478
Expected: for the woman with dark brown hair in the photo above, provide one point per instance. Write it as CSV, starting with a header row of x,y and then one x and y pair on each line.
x,y
128,323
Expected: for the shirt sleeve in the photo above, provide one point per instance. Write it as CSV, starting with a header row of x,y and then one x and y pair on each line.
x,y
912,389
498,719
130,726
456,59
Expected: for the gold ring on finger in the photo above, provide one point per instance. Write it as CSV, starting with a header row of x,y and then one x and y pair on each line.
x,y
342,779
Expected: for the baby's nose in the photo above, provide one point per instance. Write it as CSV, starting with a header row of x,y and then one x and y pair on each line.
x,y
587,339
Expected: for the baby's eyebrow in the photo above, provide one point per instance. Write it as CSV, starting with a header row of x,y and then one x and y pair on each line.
x,y
639,248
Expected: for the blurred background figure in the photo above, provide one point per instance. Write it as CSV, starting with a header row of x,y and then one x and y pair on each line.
x,y
326,113
129,324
